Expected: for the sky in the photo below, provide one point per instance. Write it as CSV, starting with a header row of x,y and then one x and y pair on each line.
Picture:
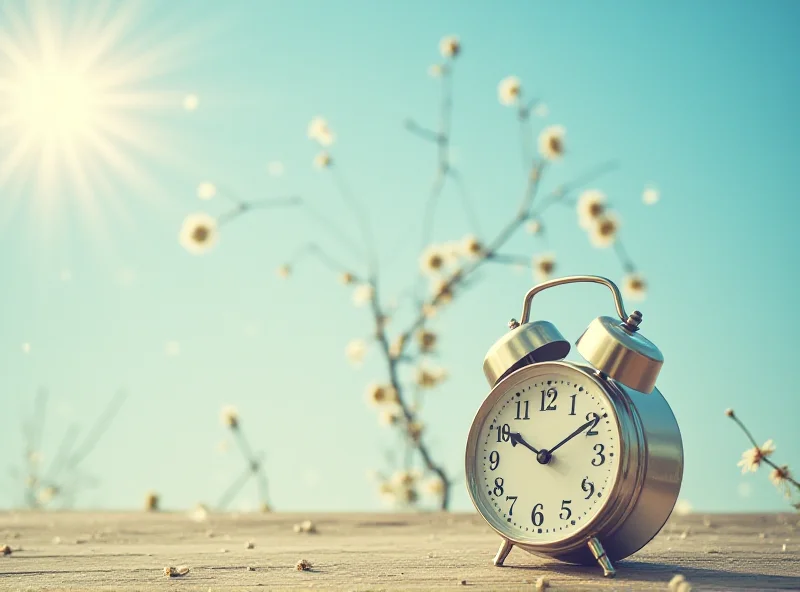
x,y
99,296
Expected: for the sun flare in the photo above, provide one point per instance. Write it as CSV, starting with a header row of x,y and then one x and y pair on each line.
x,y
76,93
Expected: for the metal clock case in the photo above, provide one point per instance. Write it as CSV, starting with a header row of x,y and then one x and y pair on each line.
x,y
617,474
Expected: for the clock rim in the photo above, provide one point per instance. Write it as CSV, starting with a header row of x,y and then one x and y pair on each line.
x,y
615,495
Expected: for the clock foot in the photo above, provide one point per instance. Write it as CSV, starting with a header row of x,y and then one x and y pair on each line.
x,y
502,553
600,554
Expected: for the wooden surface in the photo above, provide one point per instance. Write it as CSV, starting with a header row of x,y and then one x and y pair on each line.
x,y
128,551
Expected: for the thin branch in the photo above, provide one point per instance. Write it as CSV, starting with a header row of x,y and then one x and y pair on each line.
x,y
98,429
234,489
261,204
466,202
360,213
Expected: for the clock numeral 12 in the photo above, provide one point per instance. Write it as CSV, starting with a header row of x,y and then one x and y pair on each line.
x,y
551,393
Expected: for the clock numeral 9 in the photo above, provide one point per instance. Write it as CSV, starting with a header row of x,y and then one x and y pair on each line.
x,y
536,516
498,486
503,433
596,418
552,394
565,508
494,460
600,457
587,485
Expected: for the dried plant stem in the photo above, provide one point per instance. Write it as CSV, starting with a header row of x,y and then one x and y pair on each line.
x,y
764,459
254,470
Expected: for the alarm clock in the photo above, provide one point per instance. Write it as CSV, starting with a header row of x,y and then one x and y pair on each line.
x,y
578,462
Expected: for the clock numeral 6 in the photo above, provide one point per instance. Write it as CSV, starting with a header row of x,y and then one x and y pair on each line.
x,y
565,508
550,393
587,485
498,486
599,458
536,516
503,433
511,509
494,460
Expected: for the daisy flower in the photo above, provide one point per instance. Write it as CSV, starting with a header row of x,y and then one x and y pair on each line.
x,y
450,46
198,233
551,142
752,457
320,131
634,286
206,190
543,266
591,205
509,90
603,232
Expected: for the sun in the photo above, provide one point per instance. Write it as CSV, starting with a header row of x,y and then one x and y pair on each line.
x,y
77,95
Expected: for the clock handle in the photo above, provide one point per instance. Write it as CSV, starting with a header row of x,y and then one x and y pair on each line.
x,y
573,279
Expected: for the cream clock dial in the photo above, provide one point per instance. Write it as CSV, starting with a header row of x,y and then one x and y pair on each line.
x,y
547,455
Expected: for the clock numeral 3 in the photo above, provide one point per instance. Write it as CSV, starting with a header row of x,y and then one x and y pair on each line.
x,y
551,394
587,485
565,508
536,516
494,460
511,509
520,407
596,418
599,456
503,433
498,486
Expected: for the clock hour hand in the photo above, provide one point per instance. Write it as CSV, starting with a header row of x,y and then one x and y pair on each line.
x,y
516,438
589,423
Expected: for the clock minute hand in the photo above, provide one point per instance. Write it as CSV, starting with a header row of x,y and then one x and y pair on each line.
x,y
571,436
516,438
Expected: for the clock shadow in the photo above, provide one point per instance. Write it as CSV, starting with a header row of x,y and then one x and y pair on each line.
x,y
632,571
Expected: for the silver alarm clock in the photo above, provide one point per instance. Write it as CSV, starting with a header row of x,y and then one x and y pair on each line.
x,y
577,462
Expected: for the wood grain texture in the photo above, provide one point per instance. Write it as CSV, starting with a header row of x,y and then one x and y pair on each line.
x,y
128,551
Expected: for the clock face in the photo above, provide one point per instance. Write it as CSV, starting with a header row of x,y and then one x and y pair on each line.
x,y
546,453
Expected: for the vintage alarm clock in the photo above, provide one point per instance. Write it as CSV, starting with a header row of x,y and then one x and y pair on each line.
x,y
581,463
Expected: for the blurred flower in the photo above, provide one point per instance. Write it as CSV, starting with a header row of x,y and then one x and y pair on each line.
x,y
430,377
199,513
442,292
429,310
191,102
779,477
414,430
541,110
634,287
472,246
544,266
284,271
323,160
230,417
434,486
355,351
591,205
151,501
682,507
198,233
729,412
396,348
35,457
427,340
206,190
389,417
551,142
435,71
450,46
676,583
432,260
603,232
534,227
275,168
46,494
346,278
320,132
509,90
752,457
650,195
363,294
378,394
406,496
403,478
265,508
172,348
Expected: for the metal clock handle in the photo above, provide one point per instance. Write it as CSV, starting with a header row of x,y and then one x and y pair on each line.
x,y
574,279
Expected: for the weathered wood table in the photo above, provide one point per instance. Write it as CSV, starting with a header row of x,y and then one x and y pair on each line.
x,y
128,551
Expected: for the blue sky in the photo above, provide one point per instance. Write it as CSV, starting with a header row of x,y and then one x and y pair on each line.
x,y
698,101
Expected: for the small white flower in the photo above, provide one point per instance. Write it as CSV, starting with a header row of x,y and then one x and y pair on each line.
x,y
26,348
435,71
603,232
206,190
450,46
432,260
355,351
551,142
591,205
198,233
275,168
230,417
650,195
634,286
320,132
752,457
534,227
378,394
543,266
509,90
323,160
284,271
682,508
389,417
430,377
472,247
434,486
191,102
779,478
363,294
